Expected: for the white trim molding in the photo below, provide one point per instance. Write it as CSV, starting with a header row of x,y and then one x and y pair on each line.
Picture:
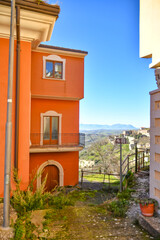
x,y
61,52
45,164
51,114
55,97
54,58
35,27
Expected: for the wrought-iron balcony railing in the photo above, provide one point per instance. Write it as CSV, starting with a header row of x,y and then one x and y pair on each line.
x,y
57,140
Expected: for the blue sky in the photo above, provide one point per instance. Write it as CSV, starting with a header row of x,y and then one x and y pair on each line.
x,y
117,81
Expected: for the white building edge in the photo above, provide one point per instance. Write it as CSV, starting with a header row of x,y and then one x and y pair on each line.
x,y
150,48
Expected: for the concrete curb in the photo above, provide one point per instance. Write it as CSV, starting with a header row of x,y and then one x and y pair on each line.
x,y
6,233
150,224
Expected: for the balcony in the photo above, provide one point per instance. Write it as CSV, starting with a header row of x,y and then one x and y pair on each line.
x,y
63,142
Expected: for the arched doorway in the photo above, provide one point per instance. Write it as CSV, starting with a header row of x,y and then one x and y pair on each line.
x,y
52,173
57,170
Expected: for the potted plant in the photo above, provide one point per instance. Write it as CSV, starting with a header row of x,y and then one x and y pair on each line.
x,y
147,206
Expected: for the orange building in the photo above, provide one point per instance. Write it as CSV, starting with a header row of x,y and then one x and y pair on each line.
x,y
51,84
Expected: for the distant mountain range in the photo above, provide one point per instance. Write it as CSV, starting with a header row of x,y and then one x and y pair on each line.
x,y
108,127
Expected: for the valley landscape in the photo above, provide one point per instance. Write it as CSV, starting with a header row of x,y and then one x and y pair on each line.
x,y
101,153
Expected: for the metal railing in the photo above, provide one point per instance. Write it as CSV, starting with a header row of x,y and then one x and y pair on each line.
x,y
109,179
57,140
136,161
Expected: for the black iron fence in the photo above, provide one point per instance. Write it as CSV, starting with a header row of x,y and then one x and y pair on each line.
x,y
57,140
133,162
136,161
109,179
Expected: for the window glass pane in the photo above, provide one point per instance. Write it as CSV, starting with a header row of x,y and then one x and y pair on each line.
x,y
58,70
49,69
54,128
46,128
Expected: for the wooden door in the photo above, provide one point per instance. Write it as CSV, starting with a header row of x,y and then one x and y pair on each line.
x,y
50,130
52,173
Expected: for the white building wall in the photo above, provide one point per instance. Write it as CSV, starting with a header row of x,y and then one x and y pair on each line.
x,y
155,145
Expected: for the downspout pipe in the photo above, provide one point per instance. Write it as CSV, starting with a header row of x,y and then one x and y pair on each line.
x,y
8,136
17,87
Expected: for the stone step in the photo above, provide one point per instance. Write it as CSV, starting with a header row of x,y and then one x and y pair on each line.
x,y
150,224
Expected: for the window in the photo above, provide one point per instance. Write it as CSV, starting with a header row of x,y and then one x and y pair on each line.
x,y
53,67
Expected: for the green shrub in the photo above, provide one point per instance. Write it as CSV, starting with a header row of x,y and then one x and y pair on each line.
x,y
24,228
24,201
129,179
59,201
126,194
118,208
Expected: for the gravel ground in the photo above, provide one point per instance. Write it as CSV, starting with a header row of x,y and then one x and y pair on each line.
x,y
141,191
95,186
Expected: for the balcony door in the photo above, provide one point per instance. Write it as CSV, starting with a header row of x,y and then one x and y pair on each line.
x,y
50,130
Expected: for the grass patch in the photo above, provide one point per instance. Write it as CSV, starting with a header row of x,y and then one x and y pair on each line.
x,y
100,178
52,219
59,211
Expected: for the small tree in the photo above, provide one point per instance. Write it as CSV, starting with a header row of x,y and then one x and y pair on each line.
x,y
107,154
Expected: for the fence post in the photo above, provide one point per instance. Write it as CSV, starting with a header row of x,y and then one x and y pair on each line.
x,y
128,164
120,167
136,153
139,162
148,156
104,178
109,180
81,177
143,159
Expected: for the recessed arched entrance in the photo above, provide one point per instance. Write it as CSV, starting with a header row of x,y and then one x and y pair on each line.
x,y
55,174
52,173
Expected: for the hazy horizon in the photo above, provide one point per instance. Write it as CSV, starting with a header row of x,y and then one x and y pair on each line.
x,y
114,124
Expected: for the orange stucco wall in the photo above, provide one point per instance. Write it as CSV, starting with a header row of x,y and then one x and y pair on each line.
x,y
32,83
25,77
24,113
73,86
68,109
68,160
41,90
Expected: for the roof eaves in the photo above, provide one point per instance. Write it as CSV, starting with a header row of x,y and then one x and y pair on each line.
x,y
33,5
62,49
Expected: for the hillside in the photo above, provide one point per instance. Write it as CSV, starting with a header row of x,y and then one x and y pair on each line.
x,y
101,132
106,127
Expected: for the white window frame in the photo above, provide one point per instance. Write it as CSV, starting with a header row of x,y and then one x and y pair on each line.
x,y
51,114
54,58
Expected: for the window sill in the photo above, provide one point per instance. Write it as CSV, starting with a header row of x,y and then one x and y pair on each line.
x,y
55,79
